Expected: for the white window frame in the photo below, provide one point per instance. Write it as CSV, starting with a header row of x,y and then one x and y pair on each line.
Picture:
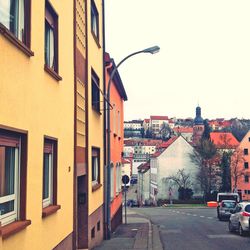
x,y
96,170
49,200
111,181
13,215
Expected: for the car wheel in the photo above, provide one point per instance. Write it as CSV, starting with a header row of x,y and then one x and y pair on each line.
x,y
241,231
230,227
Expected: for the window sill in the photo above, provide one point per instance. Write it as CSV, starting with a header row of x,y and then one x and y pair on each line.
x,y
52,73
96,110
96,186
50,210
96,39
8,35
13,228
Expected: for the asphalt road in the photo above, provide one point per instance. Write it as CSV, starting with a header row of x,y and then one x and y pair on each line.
x,y
194,229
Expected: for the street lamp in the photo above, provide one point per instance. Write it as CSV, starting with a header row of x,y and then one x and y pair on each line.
x,y
151,50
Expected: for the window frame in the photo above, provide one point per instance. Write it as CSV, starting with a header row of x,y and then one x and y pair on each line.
x,y
6,134
51,22
95,91
50,206
95,175
246,178
245,151
112,181
95,29
246,165
24,43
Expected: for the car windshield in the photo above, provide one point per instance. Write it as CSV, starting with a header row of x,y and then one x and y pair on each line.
x,y
247,208
229,204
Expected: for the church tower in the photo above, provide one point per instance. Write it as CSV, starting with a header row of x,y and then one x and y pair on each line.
x,y
198,127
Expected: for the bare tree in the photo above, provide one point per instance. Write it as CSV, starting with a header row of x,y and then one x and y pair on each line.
x,y
181,179
236,167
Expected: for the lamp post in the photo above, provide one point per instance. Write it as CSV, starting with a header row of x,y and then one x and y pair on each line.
x,y
151,50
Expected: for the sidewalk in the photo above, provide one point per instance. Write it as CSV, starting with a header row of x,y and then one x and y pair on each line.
x,y
138,234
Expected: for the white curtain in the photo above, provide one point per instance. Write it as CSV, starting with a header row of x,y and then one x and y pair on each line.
x,y
51,48
20,34
5,13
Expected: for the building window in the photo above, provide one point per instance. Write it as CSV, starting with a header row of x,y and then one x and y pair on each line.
x,y
246,178
51,38
94,20
246,165
95,166
95,91
119,122
49,173
111,181
15,16
98,226
245,151
93,233
12,171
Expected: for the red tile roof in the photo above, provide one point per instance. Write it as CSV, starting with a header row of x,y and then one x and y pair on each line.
x,y
124,161
183,129
224,140
144,166
158,117
163,146
147,120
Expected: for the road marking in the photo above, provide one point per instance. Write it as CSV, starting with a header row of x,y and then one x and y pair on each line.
x,y
194,215
202,216
227,236
188,214
171,231
210,218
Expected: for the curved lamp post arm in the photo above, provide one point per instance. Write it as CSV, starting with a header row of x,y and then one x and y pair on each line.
x,y
151,50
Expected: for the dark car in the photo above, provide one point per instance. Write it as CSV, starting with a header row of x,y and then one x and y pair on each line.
x,y
225,209
132,203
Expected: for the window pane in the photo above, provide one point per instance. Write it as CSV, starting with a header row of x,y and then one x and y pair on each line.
x,y
21,21
51,48
46,173
7,171
6,207
46,43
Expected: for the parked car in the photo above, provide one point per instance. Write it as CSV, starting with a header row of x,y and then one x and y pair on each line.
x,y
132,203
225,209
226,196
239,219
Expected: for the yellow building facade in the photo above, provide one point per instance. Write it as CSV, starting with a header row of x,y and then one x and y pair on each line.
x,y
89,123
36,124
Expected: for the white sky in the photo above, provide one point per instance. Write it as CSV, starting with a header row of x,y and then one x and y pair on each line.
x,y
204,57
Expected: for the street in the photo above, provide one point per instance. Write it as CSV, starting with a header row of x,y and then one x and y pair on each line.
x,y
195,228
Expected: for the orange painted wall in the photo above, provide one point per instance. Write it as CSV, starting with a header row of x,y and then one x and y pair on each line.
x,y
242,185
116,140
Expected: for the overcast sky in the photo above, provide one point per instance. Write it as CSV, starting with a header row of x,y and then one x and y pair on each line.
x,y
204,56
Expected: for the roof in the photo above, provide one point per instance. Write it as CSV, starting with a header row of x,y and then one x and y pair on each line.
x,y
158,117
125,161
116,78
163,146
144,166
147,120
183,129
144,142
224,140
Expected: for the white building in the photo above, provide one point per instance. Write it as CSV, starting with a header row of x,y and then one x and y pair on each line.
x,y
143,185
133,125
156,123
175,156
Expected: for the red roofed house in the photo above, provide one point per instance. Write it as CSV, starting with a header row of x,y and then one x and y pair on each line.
x,y
156,123
117,97
240,171
143,183
224,140
186,132
174,155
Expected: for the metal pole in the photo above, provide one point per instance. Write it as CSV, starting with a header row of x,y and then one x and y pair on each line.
x,y
151,50
125,203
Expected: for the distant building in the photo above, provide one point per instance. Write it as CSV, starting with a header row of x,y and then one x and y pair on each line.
x,y
186,132
198,127
242,184
174,155
156,123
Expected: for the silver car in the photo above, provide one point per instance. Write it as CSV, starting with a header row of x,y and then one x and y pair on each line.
x,y
225,208
239,220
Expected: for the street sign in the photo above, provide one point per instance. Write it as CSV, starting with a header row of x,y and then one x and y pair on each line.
x,y
125,179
